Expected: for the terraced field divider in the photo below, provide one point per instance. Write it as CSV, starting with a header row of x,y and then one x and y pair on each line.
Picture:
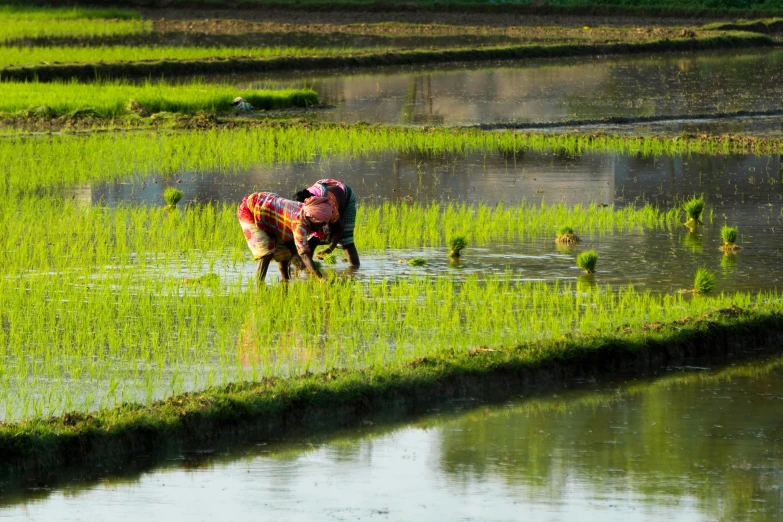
x,y
89,72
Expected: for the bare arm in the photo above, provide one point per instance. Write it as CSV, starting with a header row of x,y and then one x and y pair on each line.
x,y
307,259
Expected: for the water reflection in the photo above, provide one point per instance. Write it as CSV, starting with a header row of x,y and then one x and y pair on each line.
x,y
693,446
549,90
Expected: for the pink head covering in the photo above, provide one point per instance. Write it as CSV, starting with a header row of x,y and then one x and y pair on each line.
x,y
320,209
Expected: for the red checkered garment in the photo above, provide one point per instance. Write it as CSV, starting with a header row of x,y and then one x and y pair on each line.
x,y
280,217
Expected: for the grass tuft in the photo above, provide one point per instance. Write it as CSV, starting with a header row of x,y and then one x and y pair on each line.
x,y
704,282
566,236
456,245
587,261
729,234
417,261
693,210
172,196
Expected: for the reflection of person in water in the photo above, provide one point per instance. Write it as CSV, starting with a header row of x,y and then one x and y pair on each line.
x,y
275,226
340,229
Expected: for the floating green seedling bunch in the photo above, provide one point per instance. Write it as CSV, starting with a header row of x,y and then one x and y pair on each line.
x,y
729,236
587,261
417,261
703,282
693,212
329,259
172,197
456,245
566,235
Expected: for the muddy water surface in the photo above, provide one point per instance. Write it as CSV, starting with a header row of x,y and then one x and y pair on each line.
x,y
694,446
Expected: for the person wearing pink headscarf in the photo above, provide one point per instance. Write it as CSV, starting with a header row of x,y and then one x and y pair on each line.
x,y
342,225
274,227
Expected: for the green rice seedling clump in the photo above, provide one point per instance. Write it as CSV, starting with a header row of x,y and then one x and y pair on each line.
x,y
566,235
704,282
329,259
693,211
587,261
456,245
172,196
417,261
729,235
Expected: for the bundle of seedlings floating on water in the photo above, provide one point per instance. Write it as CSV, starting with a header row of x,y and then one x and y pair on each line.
x,y
704,282
693,211
587,261
417,261
729,235
566,236
456,245
329,259
172,197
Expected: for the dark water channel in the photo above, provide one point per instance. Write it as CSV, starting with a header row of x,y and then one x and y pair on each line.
x,y
692,446
743,190
554,90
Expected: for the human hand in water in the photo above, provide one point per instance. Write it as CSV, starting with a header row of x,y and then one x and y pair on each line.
x,y
326,251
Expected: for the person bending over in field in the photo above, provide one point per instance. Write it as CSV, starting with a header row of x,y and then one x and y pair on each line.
x,y
275,226
341,227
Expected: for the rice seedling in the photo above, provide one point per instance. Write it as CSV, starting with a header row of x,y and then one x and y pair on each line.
x,y
417,261
136,304
172,197
587,261
329,259
61,160
19,22
456,245
703,282
694,208
115,99
566,236
729,236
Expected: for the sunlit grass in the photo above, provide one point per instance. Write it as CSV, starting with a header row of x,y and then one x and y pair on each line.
x,y
111,99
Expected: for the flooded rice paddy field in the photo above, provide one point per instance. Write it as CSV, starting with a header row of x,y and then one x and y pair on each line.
x,y
548,90
699,445
742,190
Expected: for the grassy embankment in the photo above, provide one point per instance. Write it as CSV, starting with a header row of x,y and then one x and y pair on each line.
x,y
111,99
559,7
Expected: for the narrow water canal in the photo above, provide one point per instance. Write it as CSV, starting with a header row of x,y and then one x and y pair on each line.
x,y
696,445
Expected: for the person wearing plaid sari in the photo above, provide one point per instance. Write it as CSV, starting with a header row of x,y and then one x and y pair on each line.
x,y
274,227
341,228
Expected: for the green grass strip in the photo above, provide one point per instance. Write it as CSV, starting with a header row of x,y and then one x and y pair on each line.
x,y
274,407
110,99
18,21
31,56
50,72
